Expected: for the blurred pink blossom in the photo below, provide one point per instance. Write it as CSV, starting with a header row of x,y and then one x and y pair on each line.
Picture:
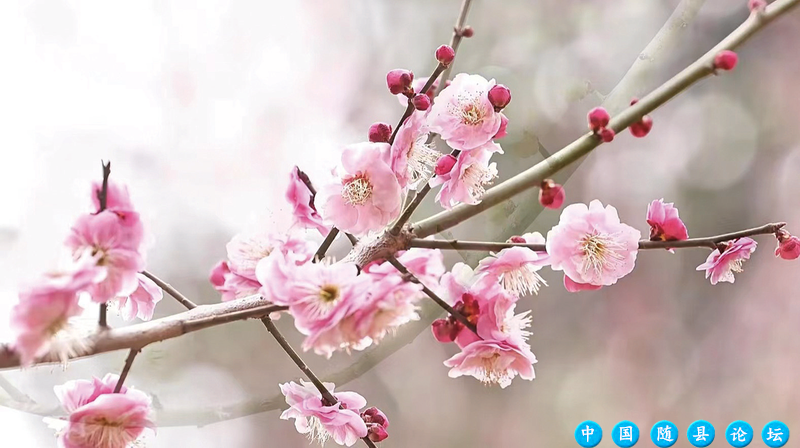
x,y
302,201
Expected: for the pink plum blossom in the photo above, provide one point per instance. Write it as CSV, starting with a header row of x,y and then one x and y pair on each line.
x,y
467,179
592,246
462,113
46,306
319,296
142,302
665,224
516,267
412,156
115,241
492,362
236,277
720,267
100,418
320,421
302,201
364,195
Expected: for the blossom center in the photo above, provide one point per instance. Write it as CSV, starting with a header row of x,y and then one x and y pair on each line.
x,y
329,293
421,157
357,191
491,372
472,114
476,177
522,280
736,265
600,252
317,432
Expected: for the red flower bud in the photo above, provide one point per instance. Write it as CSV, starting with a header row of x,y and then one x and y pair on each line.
x,y
399,81
421,102
499,96
598,118
607,134
788,246
444,164
380,132
757,5
726,60
551,195
517,240
467,31
445,55
444,330
642,128
377,433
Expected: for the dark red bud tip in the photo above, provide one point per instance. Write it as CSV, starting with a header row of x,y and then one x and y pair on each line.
x,y
726,60
445,164
642,128
598,118
551,194
634,100
467,32
445,55
607,135
399,81
499,96
377,433
421,102
380,132
757,5
517,240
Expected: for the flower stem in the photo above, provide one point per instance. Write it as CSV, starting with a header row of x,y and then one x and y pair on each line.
x,y
102,198
170,290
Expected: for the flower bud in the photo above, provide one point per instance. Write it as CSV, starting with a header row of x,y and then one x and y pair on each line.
x,y
501,131
444,330
725,60
445,55
377,433
467,31
607,135
499,96
445,164
517,240
551,195
598,119
399,81
376,416
642,127
380,132
757,5
421,102
788,246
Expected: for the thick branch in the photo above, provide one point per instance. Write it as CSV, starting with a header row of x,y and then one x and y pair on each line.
x,y
710,241
140,335
632,84
531,177
171,291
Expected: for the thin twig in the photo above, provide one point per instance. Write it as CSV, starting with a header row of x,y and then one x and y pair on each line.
x,y
102,198
533,176
710,241
326,244
455,41
125,369
171,290
439,301
327,397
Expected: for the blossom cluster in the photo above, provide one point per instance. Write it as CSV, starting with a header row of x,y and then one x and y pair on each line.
x,y
104,260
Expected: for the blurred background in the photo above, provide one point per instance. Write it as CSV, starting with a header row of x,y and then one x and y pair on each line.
x,y
204,106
